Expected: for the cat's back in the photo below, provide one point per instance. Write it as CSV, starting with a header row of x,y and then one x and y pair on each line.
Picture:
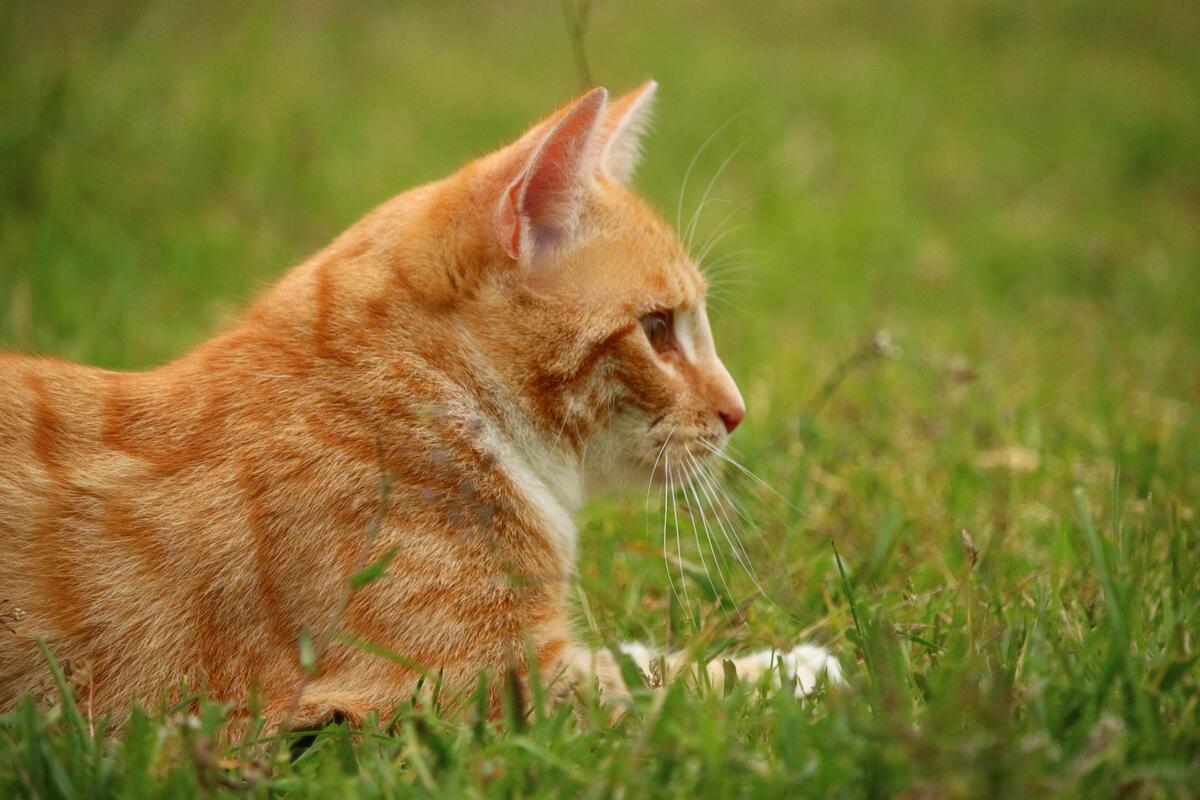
x,y
51,425
104,493
48,415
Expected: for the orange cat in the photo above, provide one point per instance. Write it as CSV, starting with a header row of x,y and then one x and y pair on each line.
x,y
499,343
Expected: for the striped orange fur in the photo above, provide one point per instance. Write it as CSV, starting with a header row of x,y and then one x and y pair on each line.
x,y
492,342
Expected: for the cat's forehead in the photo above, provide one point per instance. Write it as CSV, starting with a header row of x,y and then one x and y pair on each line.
x,y
636,258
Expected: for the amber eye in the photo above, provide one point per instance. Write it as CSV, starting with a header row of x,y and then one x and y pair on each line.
x,y
657,326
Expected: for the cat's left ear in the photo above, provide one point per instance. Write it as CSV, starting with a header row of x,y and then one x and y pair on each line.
x,y
626,120
541,207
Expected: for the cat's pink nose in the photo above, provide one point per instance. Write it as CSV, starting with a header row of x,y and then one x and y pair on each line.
x,y
732,417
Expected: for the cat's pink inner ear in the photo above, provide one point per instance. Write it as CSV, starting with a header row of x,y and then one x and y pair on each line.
x,y
626,121
541,207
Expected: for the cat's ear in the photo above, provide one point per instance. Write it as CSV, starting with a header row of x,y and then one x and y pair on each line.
x,y
541,206
627,119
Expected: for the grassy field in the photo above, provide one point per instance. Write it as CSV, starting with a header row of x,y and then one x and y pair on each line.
x,y
1010,190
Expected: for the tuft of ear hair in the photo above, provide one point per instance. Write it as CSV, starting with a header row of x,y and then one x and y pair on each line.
x,y
541,206
627,120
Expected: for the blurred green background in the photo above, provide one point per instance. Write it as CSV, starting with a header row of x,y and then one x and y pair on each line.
x,y
1010,189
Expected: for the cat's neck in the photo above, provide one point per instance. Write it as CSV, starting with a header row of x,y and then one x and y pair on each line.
x,y
547,476
373,312
544,467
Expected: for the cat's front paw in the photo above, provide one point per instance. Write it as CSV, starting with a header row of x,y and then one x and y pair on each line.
x,y
804,666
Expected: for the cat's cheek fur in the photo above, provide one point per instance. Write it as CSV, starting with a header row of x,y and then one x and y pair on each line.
x,y
615,458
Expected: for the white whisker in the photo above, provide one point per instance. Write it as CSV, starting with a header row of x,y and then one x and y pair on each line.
x,y
692,165
666,517
725,301
719,231
649,484
561,428
708,532
740,270
717,238
740,548
687,484
728,529
679,547
661,450
695,219
730,256
720,454
721,287
731,500
733,270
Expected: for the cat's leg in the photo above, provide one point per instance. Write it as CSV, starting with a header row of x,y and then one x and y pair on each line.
x,y
803,666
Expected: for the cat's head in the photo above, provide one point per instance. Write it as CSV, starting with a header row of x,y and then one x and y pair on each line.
x,y
596,314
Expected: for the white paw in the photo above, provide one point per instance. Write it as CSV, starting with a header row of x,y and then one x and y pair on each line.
x,y
642,656
804,665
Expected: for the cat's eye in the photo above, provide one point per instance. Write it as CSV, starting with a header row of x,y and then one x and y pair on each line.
x,y
657,326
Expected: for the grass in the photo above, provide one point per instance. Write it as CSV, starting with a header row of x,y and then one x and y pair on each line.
x,y
995,527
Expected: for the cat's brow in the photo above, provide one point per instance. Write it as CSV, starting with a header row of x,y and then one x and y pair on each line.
x,y
600,348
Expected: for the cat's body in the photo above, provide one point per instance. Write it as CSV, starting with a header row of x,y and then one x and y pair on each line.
x,y
449,378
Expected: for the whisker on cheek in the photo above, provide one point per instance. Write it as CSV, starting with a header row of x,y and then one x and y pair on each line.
x,y
714,488
720,453
679,549
712,546
665,459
